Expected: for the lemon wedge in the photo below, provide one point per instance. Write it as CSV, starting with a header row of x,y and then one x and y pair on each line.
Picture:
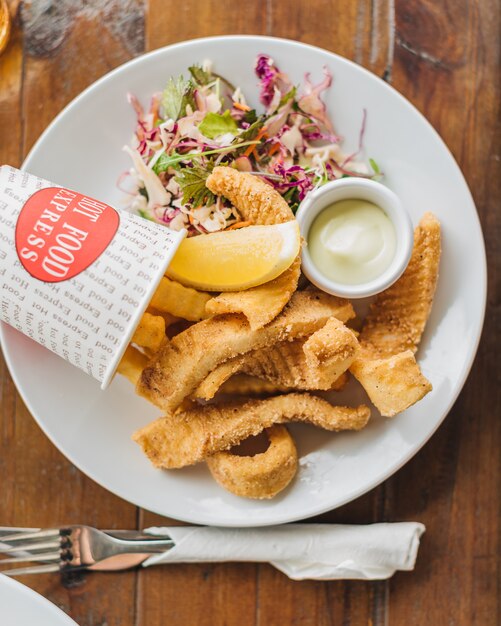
x,y
233,260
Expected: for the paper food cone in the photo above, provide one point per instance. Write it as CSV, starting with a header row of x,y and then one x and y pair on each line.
x,y
76,274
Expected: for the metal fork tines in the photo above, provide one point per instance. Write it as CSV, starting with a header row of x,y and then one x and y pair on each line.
x,y
75,548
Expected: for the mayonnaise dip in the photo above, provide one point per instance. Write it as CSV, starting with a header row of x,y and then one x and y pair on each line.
x,y
352,241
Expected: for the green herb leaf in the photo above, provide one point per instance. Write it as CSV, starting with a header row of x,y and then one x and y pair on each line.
x,y
215,124
165,161
375,166
176,96
249,134
199,75
250,116
286,97
191,180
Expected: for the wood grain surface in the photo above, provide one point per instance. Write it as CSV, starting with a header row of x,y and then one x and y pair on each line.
x,y
444,56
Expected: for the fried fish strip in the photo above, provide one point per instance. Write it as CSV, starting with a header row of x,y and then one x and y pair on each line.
x,y
260,476
399,314
246,385
181,365
392,331
261,304
314,363
393,383
192,435
180,301
256,201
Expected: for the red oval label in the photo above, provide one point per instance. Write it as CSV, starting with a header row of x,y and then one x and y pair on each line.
x,y
59,233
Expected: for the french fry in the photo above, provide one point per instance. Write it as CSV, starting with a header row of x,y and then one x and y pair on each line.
x,y
150,332
132,364
169,319
180,301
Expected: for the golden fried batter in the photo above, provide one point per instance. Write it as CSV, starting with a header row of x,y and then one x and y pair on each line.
x,y
191,435
256,201
180,301
181,365
246,385
132,364
392,331
260,476
261,304
150,332
399,314
312,363
393,383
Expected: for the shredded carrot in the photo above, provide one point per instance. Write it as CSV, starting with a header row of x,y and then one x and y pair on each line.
x,y
242,107
238,225
274,148
259,136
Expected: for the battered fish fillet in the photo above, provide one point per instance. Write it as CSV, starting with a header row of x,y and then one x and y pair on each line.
x,y
246,385
181,365
314,363
256,201
394,383
260,476
261,304
192,435
387,368
399,314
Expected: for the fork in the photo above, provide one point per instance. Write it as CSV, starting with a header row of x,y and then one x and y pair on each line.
x,y
74,548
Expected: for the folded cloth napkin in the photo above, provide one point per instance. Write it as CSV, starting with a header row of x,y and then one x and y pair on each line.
x,y
301,551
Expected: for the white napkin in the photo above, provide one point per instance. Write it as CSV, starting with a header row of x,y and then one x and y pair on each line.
x,y
301,551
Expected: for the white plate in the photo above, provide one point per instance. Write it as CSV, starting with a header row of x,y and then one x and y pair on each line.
x,y
21,606
82,149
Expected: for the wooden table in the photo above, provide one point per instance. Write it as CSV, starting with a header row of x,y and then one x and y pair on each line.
x,y
444,57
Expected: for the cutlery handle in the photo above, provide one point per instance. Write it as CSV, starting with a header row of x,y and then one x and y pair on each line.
x,y
142,546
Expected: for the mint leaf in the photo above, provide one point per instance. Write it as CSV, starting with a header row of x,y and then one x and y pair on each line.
x,y
199,75
191,180
215,124
176,96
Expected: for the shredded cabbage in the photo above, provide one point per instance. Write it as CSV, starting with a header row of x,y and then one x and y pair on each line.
x,y
204,121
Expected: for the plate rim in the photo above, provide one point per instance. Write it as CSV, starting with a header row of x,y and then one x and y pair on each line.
x,y
51,609
204,518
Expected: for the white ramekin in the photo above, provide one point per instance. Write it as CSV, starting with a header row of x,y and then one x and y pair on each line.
x,y
351,189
